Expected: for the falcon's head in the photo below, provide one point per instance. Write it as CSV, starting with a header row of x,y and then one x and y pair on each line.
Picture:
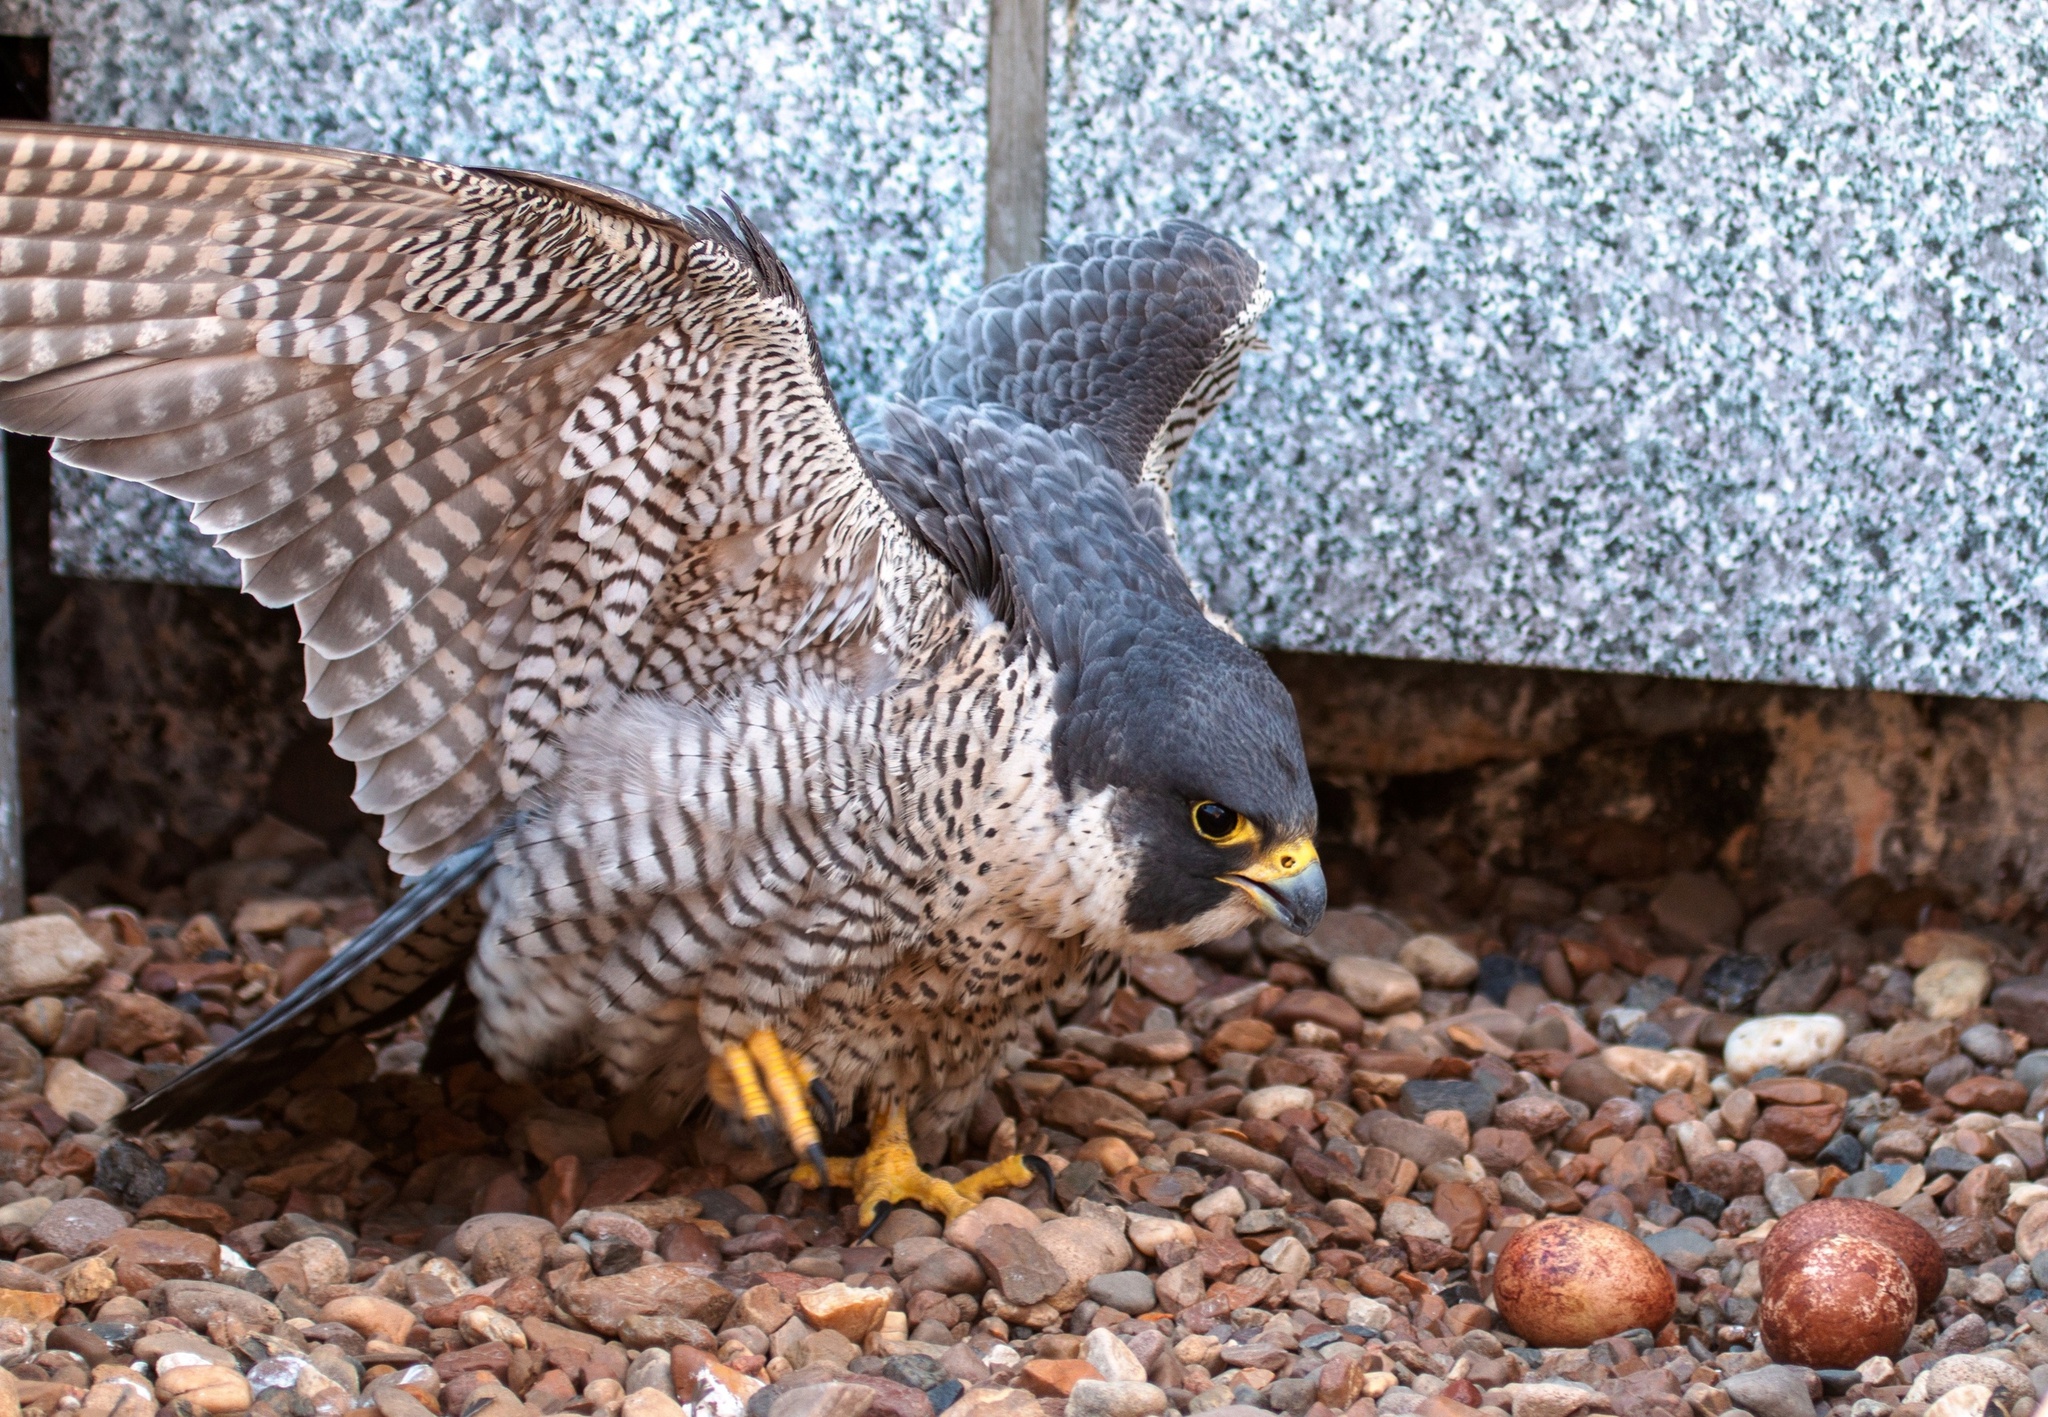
x,y
1191,746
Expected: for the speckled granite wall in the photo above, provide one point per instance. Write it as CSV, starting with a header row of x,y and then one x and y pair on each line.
x,y
853,133
1696,339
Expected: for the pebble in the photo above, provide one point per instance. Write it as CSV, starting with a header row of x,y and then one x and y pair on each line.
x,y
72,1087
74,1227
46,954
1438,963
1261,1146
1094,1398
1951,987
1377,987
1129,1291
1771,1391
1791,1043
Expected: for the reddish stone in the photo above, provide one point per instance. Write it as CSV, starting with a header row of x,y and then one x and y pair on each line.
x,y
449,1314
130,1023
1168,976
1244,1035
558,1195
1987,1094
1055,1377
173,1254
190,1212
685,1244
1500,1149
439,1132
1982,1193
1673,1108
1320,1007
505,1194
71,1157
621,1179
1461,1207
1798,1092
1801,1131
493,1358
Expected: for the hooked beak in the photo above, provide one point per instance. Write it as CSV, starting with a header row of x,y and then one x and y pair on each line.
x,y
1286,884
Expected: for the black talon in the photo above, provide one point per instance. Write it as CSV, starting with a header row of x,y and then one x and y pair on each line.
x,y
828,1105
1042,1169
815,1154
765,1127
882,1209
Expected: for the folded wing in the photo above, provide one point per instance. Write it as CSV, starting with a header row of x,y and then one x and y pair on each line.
x,y
1135,338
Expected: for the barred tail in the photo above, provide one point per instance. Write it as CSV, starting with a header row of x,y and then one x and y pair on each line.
x,y
399,962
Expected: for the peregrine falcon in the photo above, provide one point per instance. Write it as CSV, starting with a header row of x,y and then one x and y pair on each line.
x,y
729,749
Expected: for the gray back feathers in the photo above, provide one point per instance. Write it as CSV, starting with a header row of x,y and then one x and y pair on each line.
x,y
1135,338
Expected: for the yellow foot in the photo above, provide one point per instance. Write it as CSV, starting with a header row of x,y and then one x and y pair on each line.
x,y
888,1173
766,1085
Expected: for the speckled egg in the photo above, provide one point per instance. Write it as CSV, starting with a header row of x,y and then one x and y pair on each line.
x,y
1837,1302
1568,1282
1818,1219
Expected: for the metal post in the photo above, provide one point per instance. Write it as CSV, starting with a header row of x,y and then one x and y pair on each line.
x,y
24,94
12,871
1015,216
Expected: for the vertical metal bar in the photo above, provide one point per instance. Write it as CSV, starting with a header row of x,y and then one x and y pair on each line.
x,y
1014,222
24,93
12,871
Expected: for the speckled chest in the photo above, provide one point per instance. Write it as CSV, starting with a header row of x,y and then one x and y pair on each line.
x,y
1010,871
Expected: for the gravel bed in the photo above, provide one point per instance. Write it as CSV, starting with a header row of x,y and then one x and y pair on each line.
x,y
1285,1169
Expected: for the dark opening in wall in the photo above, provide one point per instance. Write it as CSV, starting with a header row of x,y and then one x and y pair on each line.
x,y
25,77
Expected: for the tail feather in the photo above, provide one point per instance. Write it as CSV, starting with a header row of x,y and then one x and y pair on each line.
x,y
390,970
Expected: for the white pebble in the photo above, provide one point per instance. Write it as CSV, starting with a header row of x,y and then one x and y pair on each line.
x,y
1790,1042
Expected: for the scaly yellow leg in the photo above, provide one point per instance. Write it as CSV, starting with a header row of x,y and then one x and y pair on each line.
x,y
889,1172
786,1080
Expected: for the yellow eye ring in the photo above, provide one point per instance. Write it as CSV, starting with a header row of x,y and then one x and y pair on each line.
x,y
1219,825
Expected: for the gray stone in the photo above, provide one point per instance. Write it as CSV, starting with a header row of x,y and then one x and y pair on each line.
x,y
1988,1044
2032,1070
1422,1096
1679,1247
1802,988
1771,1391
2022,1003
1127,1289
1421,1145
1023,1270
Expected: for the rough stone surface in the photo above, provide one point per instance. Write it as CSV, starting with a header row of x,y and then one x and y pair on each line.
x,y
1375,986
46,954
1792,1043
1441,319
1772,1391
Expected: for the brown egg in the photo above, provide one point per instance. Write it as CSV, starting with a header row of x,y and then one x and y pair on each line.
x,y
1567,1282
1815,1220
1839,1301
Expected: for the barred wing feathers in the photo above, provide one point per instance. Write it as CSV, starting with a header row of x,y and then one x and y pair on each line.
x,y
510,445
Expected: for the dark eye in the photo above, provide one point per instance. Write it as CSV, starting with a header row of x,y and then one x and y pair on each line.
x,y
1214,821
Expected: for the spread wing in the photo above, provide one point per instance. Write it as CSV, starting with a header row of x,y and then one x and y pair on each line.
x,y
1135,338
510,445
